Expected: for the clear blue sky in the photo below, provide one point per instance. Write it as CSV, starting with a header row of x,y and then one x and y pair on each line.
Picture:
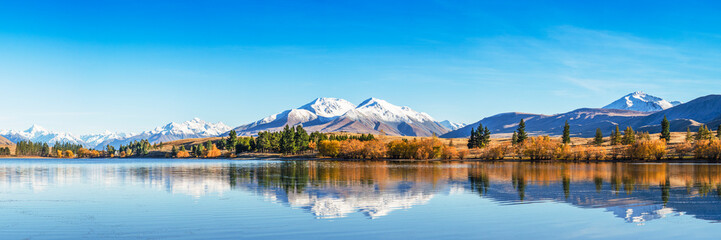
x,y
132,65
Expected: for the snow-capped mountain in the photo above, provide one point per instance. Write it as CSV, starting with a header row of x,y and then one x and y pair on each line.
x,y
195,128
642,102
37,133
94,140
328,107
451,125
337,115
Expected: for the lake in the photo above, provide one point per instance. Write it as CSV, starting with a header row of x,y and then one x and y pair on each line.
x,y
225,199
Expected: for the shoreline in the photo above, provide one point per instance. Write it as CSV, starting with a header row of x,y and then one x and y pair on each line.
x,y
301,158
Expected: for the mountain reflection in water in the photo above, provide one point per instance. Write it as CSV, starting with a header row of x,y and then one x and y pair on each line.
x,y
333,189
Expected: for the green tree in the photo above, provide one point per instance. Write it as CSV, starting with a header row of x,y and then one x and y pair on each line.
x,y
514,138
616,137
174,152
666,129
689,135
598,140
718,131
629,136
566,133
232,140
486,140
472,139
522,135
703,133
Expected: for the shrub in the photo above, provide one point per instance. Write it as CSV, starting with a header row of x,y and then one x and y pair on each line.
x,y
329,148
495,151
708,149
538,148
647,149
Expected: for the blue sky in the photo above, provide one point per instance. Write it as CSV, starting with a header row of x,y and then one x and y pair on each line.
x,y
132,65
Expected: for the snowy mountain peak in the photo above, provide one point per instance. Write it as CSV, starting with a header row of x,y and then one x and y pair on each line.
x,y
196,126
642,102
379,109
36,130
328,107
451,125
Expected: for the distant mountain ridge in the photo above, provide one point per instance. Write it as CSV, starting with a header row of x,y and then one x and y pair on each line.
x,y
195,128
584,121
337,115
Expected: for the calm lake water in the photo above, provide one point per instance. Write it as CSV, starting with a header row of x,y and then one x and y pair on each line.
x,y
209,199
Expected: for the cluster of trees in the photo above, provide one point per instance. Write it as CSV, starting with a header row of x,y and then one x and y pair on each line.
x,y
67,147
430,148
136,148
4,151
28,148
289,141
479,138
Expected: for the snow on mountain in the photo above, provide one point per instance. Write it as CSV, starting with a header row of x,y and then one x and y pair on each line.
x,y
381,110
94,140
337,115
328,107
451,125
194,128
642,102
37,133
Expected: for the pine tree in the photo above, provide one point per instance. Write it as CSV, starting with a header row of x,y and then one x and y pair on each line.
x,y
598,140
472,139
614,140
703,133
486,137
566,133
629,136
718,132
514,138
689,135
174,152
665,129
522,135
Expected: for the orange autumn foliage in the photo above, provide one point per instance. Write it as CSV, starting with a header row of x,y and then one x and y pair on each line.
x,y
182,154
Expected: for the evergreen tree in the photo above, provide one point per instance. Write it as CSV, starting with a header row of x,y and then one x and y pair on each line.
x,y
174,152
613,138
629,136
665,129
232,140
718,132
522,135
486,137
689,135
472,139
598,140
566,133
301,138
703,133
514,138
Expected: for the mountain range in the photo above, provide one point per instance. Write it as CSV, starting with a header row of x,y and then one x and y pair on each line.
x,y
337,115
195,128
639,110
585,121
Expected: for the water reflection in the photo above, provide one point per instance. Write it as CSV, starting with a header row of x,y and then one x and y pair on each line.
x,y
634,192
